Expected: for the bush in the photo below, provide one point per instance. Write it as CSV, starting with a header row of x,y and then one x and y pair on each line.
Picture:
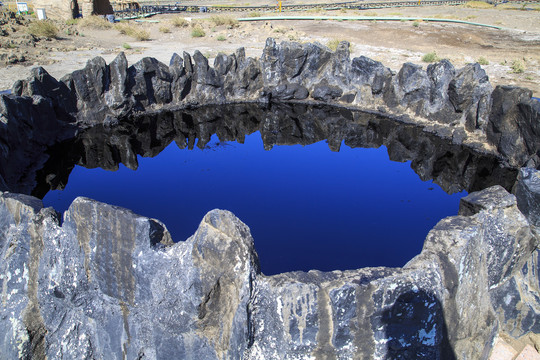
x,y
197,31
221,38
179,21
141,35
43,28
254,14
133,31
126,46
482,61
72,21
165,29
123,28
334,43
416,24
95,22
517,66
224,20
430,57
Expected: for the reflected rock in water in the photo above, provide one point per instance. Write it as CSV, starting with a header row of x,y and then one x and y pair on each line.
x,y
453,167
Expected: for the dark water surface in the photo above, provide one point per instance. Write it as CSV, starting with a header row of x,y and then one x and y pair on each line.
x,y
308,207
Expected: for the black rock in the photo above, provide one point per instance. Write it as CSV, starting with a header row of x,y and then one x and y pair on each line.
x,y
514,124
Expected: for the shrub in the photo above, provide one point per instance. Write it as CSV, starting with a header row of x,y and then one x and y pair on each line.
x,y
165,29
221,38
416,24
95,22
224,20
197,31
254,14
133,31
126,46
179,21
141,35
123,28
482,61
430,57
334,43
43,28
517,66
72,21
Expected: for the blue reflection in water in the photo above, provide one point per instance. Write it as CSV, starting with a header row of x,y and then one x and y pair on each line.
x,y
307,207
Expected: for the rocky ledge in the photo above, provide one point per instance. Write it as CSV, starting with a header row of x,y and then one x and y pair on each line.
x,y
105,283
460,101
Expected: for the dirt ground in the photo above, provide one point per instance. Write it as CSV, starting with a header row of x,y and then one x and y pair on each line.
x,y
512,53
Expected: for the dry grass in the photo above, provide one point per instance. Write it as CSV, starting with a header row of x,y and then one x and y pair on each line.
x,y
134,31
179,21
43,28
430,57
507,7
164,29
478,5
94,22
334,43
227,20
197,31
445,16
482,61
517,66
315,10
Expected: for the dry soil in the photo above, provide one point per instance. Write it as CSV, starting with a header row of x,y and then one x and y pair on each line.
x,y
511,54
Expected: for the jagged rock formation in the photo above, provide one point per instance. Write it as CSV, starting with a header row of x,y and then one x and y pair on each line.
x,y
102,282
461,101
106,283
